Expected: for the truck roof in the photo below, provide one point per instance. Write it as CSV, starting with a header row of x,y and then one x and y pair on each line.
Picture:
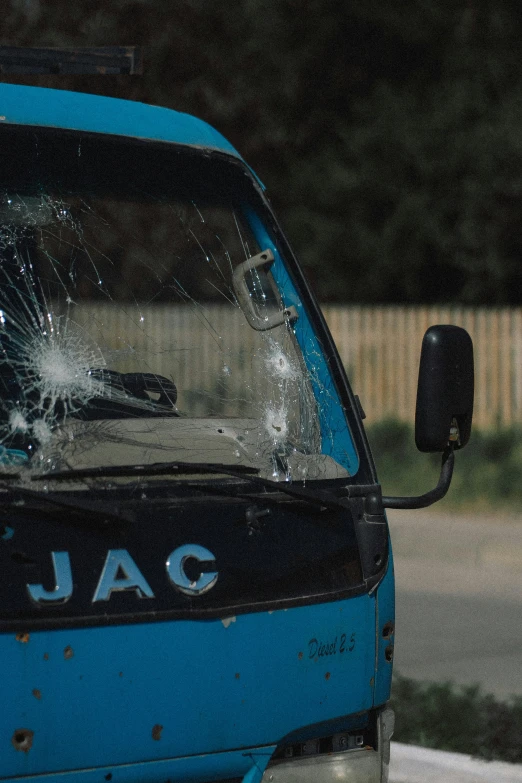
x,y
41,106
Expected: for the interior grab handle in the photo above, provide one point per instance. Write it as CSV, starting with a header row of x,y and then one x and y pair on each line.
x,y
259,320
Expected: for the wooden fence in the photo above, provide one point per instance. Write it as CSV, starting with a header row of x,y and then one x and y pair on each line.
x,y
379,346
380,349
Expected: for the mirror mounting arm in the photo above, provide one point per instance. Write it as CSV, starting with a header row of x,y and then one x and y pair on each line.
x,y
438,492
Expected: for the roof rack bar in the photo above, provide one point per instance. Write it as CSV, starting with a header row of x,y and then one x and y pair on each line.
x,y
72,60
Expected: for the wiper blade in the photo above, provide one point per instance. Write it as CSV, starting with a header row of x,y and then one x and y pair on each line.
x,y
244,472
154,469
96,512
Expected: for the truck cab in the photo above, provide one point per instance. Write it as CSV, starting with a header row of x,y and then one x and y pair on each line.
x,y
197,579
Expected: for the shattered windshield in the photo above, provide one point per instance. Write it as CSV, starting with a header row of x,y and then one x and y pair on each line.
x,y
145,318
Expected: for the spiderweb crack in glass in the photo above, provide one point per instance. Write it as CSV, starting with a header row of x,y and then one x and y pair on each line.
x,y
121,339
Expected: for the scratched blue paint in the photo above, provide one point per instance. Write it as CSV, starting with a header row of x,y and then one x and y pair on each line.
x,y
212,688
43,107
337,441
385,612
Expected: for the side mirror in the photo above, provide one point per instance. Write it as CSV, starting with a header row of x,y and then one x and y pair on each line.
x,y
445,389
444,406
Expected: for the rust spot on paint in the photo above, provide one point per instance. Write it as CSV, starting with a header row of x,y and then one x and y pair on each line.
x,y
22,637
37,693
327,676
46,656
388,653
300,656
22,739
237,675
156,731
68,652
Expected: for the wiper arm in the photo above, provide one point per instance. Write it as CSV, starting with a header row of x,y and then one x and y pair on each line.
x,y
99,513
245,472
323,501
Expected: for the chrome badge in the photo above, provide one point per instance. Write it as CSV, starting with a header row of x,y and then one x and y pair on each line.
x,y
190,570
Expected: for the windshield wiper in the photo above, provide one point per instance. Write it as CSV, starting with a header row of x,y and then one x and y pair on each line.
x,y
99,513
244,472
154,469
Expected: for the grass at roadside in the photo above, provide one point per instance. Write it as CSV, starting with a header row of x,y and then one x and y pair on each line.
x,y
487,476
460,719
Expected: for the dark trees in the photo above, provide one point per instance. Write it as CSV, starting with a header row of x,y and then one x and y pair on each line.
x,y
389,135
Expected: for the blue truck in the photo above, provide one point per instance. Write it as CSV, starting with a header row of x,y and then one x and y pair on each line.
x,y
197,578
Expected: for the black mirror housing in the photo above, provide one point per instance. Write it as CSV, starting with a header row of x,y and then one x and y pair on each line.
x,y
445,389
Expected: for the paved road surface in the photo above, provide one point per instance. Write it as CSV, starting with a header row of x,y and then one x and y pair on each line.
x,y
459,599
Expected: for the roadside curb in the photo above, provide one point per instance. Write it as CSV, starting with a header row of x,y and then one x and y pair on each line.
x,y
413,764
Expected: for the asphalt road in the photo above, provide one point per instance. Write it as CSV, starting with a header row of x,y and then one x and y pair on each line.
x,y
459,599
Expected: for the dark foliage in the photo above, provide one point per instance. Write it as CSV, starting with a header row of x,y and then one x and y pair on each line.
x,y
388,134
463,720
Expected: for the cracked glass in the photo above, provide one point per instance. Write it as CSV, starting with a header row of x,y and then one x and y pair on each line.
x,y
146,316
